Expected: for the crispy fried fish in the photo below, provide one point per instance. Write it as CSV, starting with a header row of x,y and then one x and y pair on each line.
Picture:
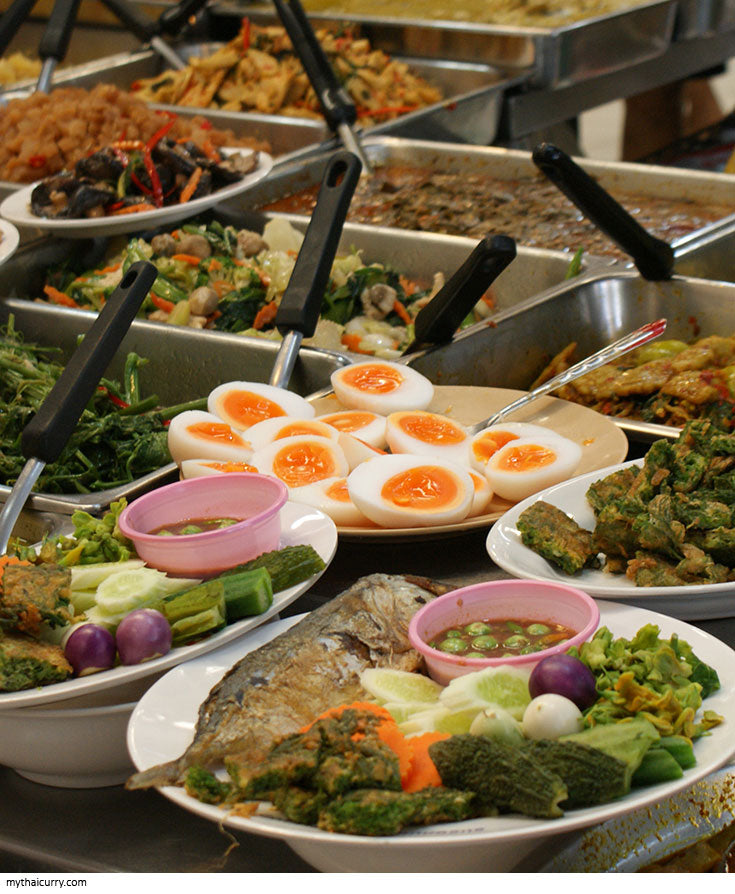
x,y
316,664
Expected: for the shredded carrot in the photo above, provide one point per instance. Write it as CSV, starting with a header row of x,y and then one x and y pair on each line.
x,y
423,772
111,269
162,303
489,298
210,150
408,285
402,312
188,191
187,259
133,209
221,286
265,315
351,340
214,264
59,297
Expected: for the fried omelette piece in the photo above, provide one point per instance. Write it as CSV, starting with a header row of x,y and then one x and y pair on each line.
x,y
316,664
558,538
32,594
26,663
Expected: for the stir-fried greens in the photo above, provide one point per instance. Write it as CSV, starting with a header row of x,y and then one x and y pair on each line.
x,y
670,522
216,276
119,437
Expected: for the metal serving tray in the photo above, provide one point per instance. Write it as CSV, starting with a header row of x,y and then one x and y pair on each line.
x,y
703,18
593,311
558,57
649,180
182,364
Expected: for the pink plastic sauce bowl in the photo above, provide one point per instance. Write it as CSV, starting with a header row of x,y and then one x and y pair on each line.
x,y
520,600
256,499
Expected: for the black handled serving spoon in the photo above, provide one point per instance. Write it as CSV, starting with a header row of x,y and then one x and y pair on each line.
x,y
46,435
55,40
298,311
437,322
146,30
337,105
653,257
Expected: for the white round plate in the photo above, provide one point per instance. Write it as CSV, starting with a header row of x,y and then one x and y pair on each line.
x,y
17,208
601,440
162,726
9,239
299,524
693,603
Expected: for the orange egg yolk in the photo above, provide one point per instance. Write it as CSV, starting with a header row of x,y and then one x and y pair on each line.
x,y
424,487
526,458
377,378
349,422
478,482
338,491
484,447
431,429
247,408
216,431
301,464
230,467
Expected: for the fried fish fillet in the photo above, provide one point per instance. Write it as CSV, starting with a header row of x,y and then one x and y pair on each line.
x,y
316,664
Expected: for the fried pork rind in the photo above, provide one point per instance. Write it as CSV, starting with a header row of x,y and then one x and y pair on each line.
x,y
557,537
32,594
26,663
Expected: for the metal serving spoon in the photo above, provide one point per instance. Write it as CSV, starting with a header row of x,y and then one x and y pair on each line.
x,y
627,343
46,434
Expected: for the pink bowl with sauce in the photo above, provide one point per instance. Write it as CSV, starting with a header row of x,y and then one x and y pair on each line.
x,y
254,499
519,600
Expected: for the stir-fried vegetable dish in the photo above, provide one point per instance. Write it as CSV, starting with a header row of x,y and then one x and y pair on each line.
x,y
258,71
217,276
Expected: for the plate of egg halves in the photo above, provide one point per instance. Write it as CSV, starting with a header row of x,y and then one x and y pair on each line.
x,y
388,455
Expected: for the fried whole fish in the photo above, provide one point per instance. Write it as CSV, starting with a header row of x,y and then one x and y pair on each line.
x,y
316,664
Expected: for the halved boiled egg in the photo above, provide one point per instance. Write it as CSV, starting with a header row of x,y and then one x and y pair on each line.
x,y
301,460
490,440
194,434
195,468
482,495
525,466
423,433
367,426
280,427
405,491
242,404
333,498
381,387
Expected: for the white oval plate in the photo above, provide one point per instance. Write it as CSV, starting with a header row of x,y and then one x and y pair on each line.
x,y
17,208
9,239
694,603
163,723
299,524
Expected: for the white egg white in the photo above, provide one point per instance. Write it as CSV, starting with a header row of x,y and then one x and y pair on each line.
x,y
279,427
194,434
195,468
332,498
242,404
363,424
427,434
356,451
301,460
369,482
381,386
516,484
482,495
482,444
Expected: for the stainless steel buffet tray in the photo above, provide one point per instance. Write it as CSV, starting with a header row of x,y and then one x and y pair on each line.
x,y
558,57
593,311
508,164
182,364
703,18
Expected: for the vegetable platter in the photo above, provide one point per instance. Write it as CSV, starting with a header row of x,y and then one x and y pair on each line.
x,y
299,526
163,722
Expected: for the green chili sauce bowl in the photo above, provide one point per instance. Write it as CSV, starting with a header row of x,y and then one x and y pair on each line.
x,y
517,600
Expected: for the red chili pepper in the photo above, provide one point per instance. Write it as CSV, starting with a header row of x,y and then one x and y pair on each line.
x,y
160,133
246,34
37,161
139,183
155,179
205,125
111,397
114,206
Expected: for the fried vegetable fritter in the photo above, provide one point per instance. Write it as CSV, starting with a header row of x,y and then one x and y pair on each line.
x,y
557,537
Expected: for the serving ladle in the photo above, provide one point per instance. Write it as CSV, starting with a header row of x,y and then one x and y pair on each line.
x,y
627,343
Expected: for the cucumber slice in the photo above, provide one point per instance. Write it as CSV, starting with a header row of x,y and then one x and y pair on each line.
x,y
89,577
493,687
391,685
